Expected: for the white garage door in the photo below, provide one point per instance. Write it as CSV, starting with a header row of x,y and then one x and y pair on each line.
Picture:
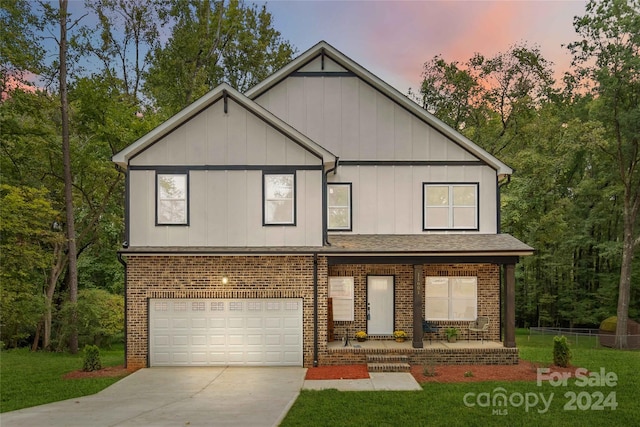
x,y
220,332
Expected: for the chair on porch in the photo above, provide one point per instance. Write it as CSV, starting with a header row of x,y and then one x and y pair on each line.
x,y
429,328
480,326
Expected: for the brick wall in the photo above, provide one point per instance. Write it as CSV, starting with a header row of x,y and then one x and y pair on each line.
x,y
284,277
201,277
488,295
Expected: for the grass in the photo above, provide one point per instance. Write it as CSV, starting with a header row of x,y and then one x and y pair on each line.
x,y
30,379
444,405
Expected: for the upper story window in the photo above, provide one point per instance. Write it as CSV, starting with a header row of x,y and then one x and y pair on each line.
x,y
450,206
172,192
279,190
339,207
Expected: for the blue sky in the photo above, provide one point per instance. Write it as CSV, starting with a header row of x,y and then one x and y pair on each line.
x,y
393,39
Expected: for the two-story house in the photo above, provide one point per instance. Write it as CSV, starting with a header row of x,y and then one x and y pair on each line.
x,y
320,202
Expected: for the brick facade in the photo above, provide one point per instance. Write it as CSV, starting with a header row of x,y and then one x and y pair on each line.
x,y
166,276
488,294
201,277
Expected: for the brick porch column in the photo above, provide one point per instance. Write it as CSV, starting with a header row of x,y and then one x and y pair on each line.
x,y
510,305
418,287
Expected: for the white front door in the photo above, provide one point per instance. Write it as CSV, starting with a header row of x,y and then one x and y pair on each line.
x,y
380,305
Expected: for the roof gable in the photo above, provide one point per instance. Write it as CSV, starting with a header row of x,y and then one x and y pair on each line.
x,y
221,92
325,59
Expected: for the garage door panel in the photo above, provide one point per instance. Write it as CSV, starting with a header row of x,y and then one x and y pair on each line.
x,y
180,323
199,322
235,322
225,332
199,340
179,340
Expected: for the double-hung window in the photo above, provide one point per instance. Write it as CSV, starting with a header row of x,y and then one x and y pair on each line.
x,y
451,298
172,206
339,206
279,191
450,206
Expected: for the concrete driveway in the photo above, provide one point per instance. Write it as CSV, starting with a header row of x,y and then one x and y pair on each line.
x,y
205,396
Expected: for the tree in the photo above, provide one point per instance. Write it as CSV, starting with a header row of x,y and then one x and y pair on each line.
x,y
607,58
212,42
68,177
127,33
488,99
20,51
26,233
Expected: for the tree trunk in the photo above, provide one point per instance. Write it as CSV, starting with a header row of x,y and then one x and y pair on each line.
x,y
68,179
624,290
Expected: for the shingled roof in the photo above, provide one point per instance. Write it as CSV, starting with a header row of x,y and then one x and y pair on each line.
x,y
373,244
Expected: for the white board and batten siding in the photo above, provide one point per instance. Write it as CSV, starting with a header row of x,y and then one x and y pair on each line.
x,y
352,119
225,206
388,199
222,332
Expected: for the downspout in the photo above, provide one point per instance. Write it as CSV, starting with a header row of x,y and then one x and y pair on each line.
x,y
315,309
499,216
325,231
124,264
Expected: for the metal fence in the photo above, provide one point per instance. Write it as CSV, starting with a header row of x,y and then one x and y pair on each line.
x,y
585,336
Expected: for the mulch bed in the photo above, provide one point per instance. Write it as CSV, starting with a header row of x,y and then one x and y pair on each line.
x,y
109,371
338,372
524,371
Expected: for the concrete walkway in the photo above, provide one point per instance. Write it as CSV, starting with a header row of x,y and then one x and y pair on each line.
x,y
399,381
190,396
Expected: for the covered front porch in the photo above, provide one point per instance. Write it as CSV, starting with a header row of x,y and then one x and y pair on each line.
x,y
436,352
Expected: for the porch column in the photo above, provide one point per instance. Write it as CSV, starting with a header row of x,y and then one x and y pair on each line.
x,y
510,305
418,287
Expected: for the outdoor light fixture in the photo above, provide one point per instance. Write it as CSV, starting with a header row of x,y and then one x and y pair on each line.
x,y
225,280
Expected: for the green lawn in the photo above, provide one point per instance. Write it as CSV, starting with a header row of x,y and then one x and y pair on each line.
x,y
30,379
444,404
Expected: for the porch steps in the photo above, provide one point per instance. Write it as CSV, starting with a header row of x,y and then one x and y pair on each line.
x,y
388,363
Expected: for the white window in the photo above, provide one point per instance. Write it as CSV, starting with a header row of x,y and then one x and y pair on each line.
x,y
341,294
339,206
451,298
450,206
172,199
279,199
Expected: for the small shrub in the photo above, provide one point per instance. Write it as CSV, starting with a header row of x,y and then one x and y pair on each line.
x,y
92,360
429,370
561,352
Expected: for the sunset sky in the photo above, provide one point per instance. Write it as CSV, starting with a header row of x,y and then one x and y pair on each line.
x,y
393,39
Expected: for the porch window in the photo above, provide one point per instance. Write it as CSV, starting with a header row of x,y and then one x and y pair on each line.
x,y
172,206
341,293
450,206
451,298
279,191
339,206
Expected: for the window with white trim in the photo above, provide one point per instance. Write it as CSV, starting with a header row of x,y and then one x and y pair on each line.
x,y
172,206
279,198
339,207
451,298
450,206
341,293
